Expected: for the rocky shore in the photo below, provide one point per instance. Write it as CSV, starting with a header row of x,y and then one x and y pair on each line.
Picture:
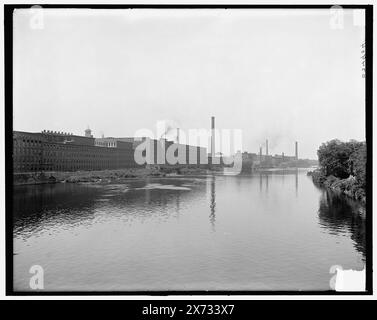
x,y
106,176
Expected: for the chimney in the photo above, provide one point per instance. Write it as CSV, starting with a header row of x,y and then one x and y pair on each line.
x,y
213,137
177,135
296,150
260,153
266,147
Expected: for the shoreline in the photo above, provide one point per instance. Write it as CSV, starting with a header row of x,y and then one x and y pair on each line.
x,y
122,175
106,176
346,187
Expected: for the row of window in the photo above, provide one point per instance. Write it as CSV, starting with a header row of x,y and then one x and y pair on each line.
x,y
78,154
67,167
91,152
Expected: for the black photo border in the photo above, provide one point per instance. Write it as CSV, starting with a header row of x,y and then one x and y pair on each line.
x,y
8,109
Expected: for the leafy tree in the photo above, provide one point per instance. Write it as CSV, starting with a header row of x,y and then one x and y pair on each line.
x,y
333,157
358,161
343,159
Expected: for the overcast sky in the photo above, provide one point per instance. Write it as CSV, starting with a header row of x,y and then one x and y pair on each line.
x,y
285,75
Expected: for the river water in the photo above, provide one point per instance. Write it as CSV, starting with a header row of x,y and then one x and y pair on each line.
x,y
270,231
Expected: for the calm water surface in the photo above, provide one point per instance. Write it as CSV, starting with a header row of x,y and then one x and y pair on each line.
x,y
271,231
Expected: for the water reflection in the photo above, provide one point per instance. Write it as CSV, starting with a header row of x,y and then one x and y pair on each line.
x,y
147,191
36,207
266,183
281,175
260,182
212,216
213,232
40,207
340,216
178,201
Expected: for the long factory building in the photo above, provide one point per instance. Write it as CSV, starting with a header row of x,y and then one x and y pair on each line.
x,y
61,151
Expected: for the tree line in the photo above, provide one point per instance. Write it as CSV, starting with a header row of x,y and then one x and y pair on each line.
x,y
343,167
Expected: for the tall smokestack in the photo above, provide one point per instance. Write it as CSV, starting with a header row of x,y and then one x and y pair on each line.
x,y
177,135
213,137
296,150
260,153
266,147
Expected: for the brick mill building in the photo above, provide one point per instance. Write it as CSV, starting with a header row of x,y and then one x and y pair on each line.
x,y
61,151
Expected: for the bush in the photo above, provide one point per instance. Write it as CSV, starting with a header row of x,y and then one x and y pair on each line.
x,y
360,194
342,168
318,177
340,159
330,180
343,161
357,162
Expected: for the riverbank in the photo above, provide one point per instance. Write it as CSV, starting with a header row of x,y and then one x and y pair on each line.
x,y
342,168
105,176
349,186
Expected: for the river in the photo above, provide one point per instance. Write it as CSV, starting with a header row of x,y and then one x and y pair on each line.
x,y
269,231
